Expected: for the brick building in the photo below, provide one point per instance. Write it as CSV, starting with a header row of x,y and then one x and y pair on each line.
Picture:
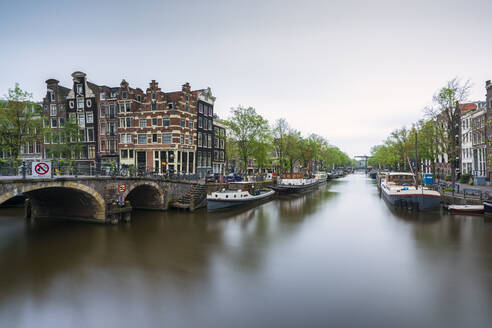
x,y
107,116
157,129
205,113
219,156
488,130
478,143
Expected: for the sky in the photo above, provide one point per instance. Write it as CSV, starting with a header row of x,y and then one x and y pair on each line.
x,y
350,71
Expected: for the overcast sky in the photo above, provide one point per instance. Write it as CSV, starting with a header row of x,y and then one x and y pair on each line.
x,y
351,71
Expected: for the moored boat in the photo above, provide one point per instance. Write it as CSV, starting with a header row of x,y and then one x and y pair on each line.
x,y
294,183
229,198
487,207
466,209
399,189
321,176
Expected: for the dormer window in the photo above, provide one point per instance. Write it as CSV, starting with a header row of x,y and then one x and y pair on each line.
x,y
103,95
139,98
153,96
124,95
52,95
79,88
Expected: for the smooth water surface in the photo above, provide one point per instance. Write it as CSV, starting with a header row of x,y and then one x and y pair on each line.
x,y
334,257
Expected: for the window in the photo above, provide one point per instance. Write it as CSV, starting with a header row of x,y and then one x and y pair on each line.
x,y
130,153
153,106
122,122
53,110
82,135
170,106
81,119
122,138
187,107
139,98
191,140
90,118
103,129
142,139
54,122
200,108
90,135
190,125
62,121
210,124
154,137
129,139
199,139
124,153
111,129
200,122
209,141
165,122
153,95
154,121
79,88
143,123
128,106
103,110
92,151
80,103
124,95
52,95
182,139
183,123
128,122
102,96
122,108
166,138
72,118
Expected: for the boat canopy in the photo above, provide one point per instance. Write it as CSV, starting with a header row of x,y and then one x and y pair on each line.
x,y
400,178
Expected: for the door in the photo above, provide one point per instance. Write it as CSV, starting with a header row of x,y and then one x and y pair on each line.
x,y
141,160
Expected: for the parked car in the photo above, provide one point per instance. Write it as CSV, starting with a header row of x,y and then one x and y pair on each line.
x,y
234,177
215,177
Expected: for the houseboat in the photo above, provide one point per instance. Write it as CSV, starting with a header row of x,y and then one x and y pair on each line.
x,y
321,176
400,190
229,198
294,183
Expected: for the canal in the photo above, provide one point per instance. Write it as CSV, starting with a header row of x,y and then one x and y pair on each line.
x,y
337,257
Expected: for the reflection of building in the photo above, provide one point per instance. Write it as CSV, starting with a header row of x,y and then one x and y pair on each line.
x,y
205,112
219,155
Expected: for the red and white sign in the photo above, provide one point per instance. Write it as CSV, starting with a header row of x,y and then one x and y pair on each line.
x,y
41,169
122,188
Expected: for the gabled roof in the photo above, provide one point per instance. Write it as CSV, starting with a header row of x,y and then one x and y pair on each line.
x,y
465,108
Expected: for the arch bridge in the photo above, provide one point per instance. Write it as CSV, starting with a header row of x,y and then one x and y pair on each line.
x,y
94,198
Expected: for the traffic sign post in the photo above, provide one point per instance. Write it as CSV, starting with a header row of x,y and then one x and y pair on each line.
x,y
41,169
122,188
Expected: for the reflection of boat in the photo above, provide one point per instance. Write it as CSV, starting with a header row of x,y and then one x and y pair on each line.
x,y
399,189
229,198
466,209
294,184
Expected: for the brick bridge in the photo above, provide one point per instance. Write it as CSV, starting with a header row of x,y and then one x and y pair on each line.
x,y
93,198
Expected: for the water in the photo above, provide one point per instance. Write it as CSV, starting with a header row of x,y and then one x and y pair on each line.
x,y
335,257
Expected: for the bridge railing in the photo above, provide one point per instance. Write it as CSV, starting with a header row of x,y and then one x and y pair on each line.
x,y
85,170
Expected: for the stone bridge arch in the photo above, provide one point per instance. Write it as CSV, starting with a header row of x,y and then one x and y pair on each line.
x,y
148,195
57,198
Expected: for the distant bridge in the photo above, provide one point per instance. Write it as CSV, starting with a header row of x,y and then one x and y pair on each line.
x,y
94,198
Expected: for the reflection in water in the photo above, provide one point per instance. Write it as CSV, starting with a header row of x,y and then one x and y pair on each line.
x,y
336,256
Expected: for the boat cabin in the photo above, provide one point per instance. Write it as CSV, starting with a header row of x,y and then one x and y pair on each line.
x,y
400,178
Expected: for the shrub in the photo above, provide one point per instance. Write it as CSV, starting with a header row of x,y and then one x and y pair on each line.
x,y
465,178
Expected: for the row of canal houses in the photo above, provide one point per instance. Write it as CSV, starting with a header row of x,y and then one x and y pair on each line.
x,y
160,131
474,141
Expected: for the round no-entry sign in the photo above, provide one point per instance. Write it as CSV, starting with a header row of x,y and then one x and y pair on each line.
x,y
41,169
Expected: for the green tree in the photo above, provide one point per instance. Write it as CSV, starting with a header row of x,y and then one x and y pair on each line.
x,y
247,129
20,121
66,142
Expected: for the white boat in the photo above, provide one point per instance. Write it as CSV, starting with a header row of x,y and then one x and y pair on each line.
x,y
289,186
321,176
399,189
466,209
229,198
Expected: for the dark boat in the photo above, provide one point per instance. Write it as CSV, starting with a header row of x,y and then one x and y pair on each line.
x,y
487,207
229,198
290,186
